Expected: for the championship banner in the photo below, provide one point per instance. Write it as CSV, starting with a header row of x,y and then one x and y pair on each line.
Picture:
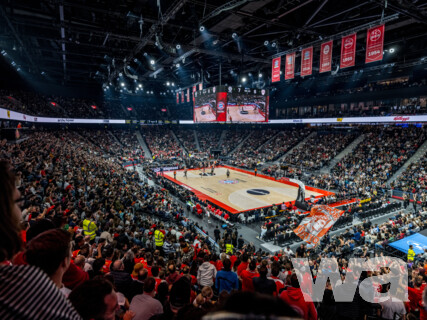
x,y
182,97
313,227
290,66
194,90
188,94
177,98
275,70
348,51
200,86
307,61
325,57
375,44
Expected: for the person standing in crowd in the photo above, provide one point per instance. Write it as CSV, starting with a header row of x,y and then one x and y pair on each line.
x,y
89,227
246,276
18,283
255,171
262,284
411,254
217,234
206,273
159,237
226,280
185,172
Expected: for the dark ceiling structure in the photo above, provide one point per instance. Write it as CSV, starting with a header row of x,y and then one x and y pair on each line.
x,y
100,42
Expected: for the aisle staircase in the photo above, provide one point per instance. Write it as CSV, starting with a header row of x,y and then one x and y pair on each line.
x,y
296,146
181,145
350,148
268,141
196,139
141,140
221,139
419,154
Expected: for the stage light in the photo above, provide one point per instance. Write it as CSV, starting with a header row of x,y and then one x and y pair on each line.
x,y
135,60
250,74
273,44
202,28
244,79
260,75
122,84
178,65
128,67
151,92
234,35
4,53
120,74
178,46
173,84
168,83
139,85
391,50
266,42
152,61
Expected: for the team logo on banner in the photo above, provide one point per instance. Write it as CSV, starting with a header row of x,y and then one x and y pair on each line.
x,y
275,71
375,44
348,51
313,227
325,57
290,66
306,62
221,105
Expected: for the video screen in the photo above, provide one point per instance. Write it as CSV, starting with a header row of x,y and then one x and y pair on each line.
x,y
205,105
247,105
231,104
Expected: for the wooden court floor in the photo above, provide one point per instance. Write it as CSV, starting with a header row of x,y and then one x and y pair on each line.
x,y
240,192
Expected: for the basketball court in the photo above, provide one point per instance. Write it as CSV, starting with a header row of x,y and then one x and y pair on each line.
x,y
242,191
250,115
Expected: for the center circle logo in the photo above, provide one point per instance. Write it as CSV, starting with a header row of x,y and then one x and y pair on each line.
x,y
326,49
228,181
348,43
221,105
375,35
258,192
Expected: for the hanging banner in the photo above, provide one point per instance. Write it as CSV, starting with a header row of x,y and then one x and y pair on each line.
x,y
182,97
313,227
188,94
348,51
307,61
375,44
200,86
194,90
275,70
325,57
290,66
177,98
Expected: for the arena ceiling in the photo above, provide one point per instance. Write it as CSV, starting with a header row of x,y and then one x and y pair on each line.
x,y
86,42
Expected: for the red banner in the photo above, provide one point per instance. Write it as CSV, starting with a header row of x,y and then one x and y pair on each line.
x,y
290,66
313,227
306,61
182,96
200,86
375,44
194,90
325,57
275,70
348,51
177,98
188,94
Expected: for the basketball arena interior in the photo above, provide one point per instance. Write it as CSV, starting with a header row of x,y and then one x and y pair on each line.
x,y
199,159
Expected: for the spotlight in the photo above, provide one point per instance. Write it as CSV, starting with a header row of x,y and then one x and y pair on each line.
x,y
122,84
4,53
145,54
178,65
234,35
250,74
260,75
151,92
273,44
120,74
173,84
244,79
178,46
391,50
152,61
128,67
139,85
202,28
266,42
135,60
168,83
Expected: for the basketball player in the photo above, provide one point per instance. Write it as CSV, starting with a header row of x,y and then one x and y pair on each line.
x,y
256,171
185,172
174,174
228,173
212,170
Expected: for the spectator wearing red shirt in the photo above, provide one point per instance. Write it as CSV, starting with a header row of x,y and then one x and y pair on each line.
x,y
247,276
274,276
415,295
294,297
244,264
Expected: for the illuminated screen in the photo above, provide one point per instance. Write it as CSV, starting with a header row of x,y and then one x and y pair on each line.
x,y
231,104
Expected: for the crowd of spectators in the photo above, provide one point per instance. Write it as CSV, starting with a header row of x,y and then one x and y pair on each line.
x,y
232,139
162,143
100,243
186,136
318,150
414,178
